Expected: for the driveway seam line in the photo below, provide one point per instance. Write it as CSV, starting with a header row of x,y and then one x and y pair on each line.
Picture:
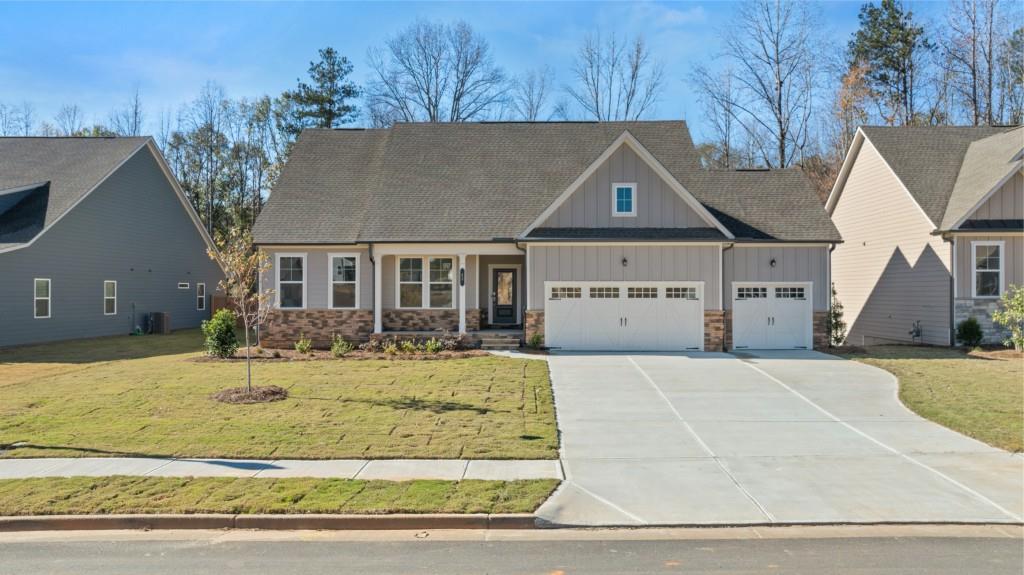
x,y
609,503
703,445
925,466
161,466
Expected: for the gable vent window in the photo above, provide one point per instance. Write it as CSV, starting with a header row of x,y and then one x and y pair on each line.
x,y
182,285
623,200
110,298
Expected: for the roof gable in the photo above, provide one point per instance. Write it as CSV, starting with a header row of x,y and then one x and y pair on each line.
x,y
988,165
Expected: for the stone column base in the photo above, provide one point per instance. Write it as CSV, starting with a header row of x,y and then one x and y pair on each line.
x,y
534,324
714,330
819,330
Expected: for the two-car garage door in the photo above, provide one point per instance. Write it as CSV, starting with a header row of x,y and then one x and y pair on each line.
x,y
624,316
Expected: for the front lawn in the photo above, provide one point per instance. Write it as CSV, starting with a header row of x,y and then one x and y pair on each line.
x,y
150,396
124,494
979,394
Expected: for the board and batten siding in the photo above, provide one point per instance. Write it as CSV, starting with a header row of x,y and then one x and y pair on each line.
x,y
318,273
131,229
1013,261
657,204
792,264
1005,204
643,263
889,271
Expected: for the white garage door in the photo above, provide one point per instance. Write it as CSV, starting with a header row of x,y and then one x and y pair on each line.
x,y
624,316
771,315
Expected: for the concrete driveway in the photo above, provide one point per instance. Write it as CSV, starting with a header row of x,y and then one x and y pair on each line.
x,y
771,438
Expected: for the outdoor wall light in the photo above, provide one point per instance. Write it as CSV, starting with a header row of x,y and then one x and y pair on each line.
x,y
772,263
625,262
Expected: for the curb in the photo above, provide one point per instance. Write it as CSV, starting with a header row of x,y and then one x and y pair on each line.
x,y
274,522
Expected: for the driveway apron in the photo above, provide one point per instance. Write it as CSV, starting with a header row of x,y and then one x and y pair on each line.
x,y
766,438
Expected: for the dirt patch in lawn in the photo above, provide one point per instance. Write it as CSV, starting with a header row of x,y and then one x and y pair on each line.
x,y
263,394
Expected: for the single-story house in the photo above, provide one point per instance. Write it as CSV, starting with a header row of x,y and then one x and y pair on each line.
x,y
95,234
932,220
596,236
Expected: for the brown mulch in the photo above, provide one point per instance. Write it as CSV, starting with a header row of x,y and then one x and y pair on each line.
x,y
320,355
992,352
262,394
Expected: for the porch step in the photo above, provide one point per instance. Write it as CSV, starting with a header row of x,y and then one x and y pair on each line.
x,y
499,342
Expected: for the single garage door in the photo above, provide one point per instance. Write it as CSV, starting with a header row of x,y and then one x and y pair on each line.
x,y
624,316
771,315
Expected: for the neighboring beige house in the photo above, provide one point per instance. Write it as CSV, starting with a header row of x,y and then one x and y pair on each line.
x,y
913,204
597,236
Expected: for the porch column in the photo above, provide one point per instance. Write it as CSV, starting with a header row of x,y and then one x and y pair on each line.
x,y
378,295
462,293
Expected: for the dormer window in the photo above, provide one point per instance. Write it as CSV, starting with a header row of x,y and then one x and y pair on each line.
x,y
623,200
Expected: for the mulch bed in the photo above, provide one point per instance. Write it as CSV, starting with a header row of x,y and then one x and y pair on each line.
x,y
262,394
321,355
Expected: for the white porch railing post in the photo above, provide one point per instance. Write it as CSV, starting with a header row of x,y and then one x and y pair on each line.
x,y
462,293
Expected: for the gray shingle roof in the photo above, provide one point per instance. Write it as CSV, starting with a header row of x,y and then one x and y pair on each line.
x,y
72,166
481,181
927,159
986,163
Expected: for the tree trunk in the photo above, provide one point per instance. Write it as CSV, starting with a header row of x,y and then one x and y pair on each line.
x,y
248,363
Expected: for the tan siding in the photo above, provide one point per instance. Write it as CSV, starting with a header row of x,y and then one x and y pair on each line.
x,y
1005,204
644,263
1013,262
792,264
658,205
890,271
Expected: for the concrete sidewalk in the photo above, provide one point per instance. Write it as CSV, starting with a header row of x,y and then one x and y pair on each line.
x,y
388,469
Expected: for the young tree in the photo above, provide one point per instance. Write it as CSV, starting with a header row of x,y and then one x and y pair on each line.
x,y
243,265
326,101
434,72
1011,316
615,79
891,46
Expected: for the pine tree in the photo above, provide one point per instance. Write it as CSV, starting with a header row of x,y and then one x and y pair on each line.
x,y
325,102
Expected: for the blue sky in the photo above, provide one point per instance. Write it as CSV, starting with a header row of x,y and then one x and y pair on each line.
x,y
94,54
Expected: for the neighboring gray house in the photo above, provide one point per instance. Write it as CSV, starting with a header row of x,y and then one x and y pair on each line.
x,y
604,236
914,204
95,234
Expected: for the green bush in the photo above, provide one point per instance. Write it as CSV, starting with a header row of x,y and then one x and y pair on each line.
x,y
340,347
968,332
391,347
432,345
1011,315
409,346
304,345
536,341
219,330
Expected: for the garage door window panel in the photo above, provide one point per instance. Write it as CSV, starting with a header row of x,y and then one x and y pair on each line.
x,y
642,293
566,293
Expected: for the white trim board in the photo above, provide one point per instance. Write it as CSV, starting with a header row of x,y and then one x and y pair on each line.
x,y
628,139
490,290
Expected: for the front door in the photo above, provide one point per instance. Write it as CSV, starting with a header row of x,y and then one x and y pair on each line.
x,y
503,297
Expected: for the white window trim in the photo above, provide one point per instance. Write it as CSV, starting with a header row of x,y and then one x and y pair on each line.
x,y
331,282
48,298
277,278
424,281
615,204
200,299
105,298
974,267
183,285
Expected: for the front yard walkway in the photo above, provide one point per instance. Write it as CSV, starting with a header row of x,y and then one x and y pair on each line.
x,y
149,397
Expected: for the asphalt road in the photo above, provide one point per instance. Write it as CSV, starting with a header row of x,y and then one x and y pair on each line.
x,y
890,555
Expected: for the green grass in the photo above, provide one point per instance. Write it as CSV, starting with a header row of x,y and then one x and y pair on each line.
x,y
149,396
979,394
126,494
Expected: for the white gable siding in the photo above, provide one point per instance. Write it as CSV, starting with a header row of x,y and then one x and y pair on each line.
x,y
657,204
890,271
1006,204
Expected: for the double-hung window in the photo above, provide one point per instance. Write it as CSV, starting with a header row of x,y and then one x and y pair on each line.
x,y
987,266
435,289
41,298
200,296
109,297
623,200
291,281
344,276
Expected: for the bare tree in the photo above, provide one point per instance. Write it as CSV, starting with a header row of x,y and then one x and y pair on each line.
x,y
17,120
69,120
128,120
615,79
717,94
436,73
530,93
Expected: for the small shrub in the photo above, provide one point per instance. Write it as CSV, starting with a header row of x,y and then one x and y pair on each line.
x,y
340,347
454,342
276,354
1011,316
372,346
304,345
968,332
432,346
536,341
259,351
219,330
390,347
836,324
409,346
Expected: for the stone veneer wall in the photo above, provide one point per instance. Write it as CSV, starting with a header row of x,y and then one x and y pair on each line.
x,y
284,327
819,330
714,330
981,310
472,319
534,321
421,319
